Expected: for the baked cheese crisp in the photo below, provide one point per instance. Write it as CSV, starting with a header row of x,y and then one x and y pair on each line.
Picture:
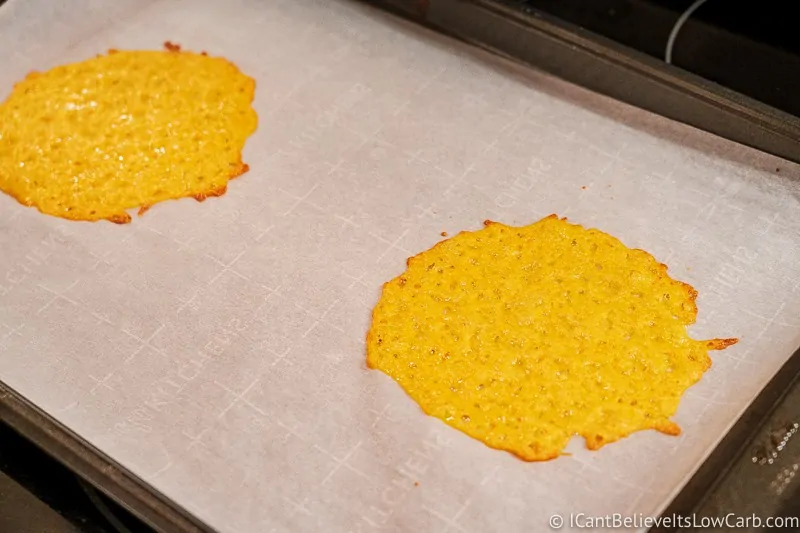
x,y
92,140
523,337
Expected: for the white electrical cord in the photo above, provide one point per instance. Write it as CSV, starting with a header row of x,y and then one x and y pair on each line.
x,y
674,33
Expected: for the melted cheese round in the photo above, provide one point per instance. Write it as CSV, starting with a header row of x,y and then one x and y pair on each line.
x,y
525,337
91,140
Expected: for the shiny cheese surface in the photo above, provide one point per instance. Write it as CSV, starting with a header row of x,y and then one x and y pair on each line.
x,y
523,337
92,140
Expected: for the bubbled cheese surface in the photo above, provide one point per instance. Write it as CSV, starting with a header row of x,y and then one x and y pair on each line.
x,y
523,337
92,140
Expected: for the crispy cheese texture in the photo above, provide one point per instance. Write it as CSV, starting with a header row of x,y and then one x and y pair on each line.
x,y
523,337
91,140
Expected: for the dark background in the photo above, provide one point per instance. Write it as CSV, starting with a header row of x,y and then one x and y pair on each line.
x,y
750,47
33,486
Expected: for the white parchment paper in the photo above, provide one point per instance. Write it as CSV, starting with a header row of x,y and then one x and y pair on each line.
x,y
217,349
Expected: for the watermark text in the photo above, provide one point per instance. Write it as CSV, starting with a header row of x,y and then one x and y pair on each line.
x,y
620,521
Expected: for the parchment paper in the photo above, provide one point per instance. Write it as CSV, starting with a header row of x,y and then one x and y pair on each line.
x,y
217,349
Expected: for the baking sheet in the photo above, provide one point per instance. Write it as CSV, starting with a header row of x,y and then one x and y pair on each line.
x,y
217,350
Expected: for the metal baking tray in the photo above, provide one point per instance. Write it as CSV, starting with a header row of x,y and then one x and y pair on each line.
x,y
601,65
572,54
94,466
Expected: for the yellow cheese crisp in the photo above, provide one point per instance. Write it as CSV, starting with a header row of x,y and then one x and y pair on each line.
x,y
524,337
90,140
